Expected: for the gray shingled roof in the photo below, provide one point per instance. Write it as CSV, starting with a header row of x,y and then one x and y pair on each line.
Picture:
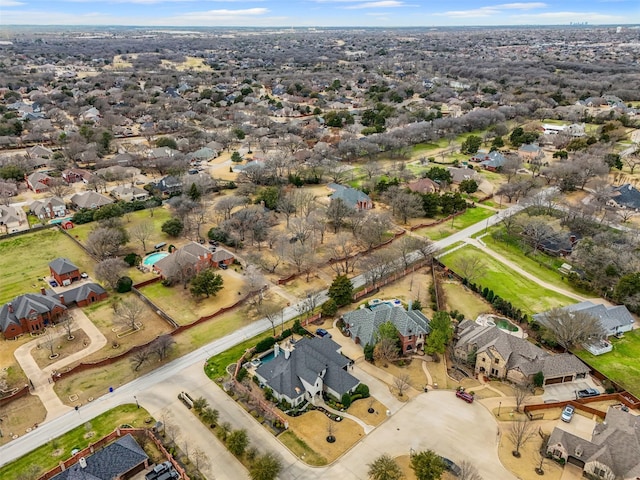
x,y
62,265
349,195
627,195
90,199
107,463
615,443
79,293
363,323
23,305
307,361
610,318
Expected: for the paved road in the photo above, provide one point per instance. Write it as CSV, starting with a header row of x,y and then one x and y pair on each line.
x,y
124,394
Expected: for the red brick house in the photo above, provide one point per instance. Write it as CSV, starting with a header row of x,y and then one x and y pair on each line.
x,y
32,312
63,271
184,262
222,256
38,182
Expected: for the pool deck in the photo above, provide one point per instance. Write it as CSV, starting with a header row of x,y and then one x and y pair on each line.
x,y
489,319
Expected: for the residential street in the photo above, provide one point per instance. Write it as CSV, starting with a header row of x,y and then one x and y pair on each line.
x,y
180,370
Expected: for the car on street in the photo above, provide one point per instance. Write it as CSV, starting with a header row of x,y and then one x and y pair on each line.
x,y
467,397
451,466
321,332
567,413
587,392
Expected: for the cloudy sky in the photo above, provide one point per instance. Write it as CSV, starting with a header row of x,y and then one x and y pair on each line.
x,y
296,13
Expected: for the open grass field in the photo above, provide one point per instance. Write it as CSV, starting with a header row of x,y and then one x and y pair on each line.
x,y
24,261
621,364
48,455
160,215
542,266
459,297
20,415
470,217
520,291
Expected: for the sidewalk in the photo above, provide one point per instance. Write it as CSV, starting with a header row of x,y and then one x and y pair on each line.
x,y
40,378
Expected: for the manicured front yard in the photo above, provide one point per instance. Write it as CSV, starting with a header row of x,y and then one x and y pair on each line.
x,y
48,455
622,364
462,299
521,292
470,217
24,261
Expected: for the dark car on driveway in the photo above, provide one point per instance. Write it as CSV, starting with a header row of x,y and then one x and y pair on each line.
x,y
587,392
321,332
451,466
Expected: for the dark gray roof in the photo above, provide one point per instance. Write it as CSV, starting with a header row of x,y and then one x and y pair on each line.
x,y
306,362
77,294
62,265
363,323
108,463
627,195
25,304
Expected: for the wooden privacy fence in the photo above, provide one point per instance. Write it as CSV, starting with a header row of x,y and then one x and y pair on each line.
x,y
391,278
24,391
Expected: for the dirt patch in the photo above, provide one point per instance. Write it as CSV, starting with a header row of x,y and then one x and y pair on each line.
x,y
21,415
62,347
360,409
312,428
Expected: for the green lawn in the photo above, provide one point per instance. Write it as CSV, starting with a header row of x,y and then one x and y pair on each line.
x,y
301,450
160,215
542,266
465,301
48,455
24,260
470,217
216,366
521,292
622,364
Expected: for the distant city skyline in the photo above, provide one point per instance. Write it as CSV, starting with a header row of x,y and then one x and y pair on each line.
x,y
316,13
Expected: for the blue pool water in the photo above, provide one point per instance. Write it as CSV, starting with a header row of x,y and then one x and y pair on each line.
x,y
268,357
153,258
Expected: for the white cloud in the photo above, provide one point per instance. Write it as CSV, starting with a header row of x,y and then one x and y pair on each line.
x,y
380,4
10,3
521,6
491,10
567,17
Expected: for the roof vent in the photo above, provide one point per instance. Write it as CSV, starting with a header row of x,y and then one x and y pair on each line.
x,y
83,462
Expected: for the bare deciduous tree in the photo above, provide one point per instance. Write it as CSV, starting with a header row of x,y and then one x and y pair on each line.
x,y
521,432
161,346
571,328
129,312
468,471
402,383
68,323
521,393
142,232
104,242
139,358
110,270
471,267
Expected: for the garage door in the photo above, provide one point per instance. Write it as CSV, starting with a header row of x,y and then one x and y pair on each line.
x,y
575,461
552,381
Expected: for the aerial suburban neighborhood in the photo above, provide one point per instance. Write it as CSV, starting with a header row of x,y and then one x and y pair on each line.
x,y
319,253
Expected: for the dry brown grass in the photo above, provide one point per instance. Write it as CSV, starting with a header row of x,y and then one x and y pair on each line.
x,y
524,467
15,376
360,409
413,368
405,464
20,415
62,347
312,429
438,371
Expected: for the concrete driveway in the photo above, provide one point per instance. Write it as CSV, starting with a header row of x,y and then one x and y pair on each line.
x,y
567,391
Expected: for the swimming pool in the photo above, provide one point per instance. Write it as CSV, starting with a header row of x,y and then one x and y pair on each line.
x,y
153,258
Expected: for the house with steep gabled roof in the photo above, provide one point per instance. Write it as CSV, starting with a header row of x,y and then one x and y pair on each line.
x,y
489,161
169,185
38,182
505,356
625,196
90,200
412,325
186,261
530,152
128,193
53,207
64,271
12,220
612,452
356,199
306,369
423,185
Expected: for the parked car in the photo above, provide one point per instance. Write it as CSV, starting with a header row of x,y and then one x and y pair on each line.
x,y
223,266
451,466
588,392
213,242
53,283
467,397
567,413
84,275
321,332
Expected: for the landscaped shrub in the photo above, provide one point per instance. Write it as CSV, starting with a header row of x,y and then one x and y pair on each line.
x,y
363,390
346,400
283,335
355,397
242,374
132,259
265,344
368,352
268,394
298,329
538,379
329,308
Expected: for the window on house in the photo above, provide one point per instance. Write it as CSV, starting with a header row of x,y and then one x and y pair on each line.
x,y
483,359
599,472
557,453
497,361
409,347
410,337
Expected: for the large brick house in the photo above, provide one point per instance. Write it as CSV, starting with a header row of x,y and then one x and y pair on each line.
x,y
184,262
63,271
32,312
412,326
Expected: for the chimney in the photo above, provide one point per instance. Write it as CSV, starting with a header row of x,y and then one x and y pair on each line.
x,y
276,350
62,299
83,462
409,307
43,291
10,307
287,353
